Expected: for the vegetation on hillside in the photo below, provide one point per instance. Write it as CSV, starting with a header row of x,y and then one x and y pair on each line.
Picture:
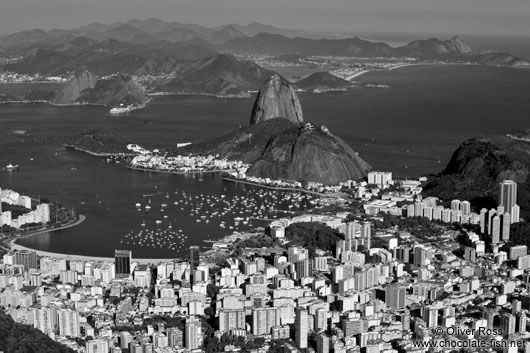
x,y
99,141
313,236
19,338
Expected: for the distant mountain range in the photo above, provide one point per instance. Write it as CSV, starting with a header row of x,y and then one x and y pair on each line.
x,y
154,37
189,58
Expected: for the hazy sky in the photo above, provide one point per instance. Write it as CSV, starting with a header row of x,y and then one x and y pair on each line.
x,y
419,16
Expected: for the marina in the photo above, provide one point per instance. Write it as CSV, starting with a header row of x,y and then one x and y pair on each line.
x,y
161,225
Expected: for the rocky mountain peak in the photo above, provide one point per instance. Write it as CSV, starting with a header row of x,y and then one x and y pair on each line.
x,y
456,44
277,99
72,91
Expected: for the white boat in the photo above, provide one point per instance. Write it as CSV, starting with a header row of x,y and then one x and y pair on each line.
x,y
11,167
158,221
122,109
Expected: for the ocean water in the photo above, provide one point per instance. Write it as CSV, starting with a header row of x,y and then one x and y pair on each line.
x,y
410,128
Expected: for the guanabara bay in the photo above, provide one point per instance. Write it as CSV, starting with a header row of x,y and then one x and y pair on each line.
x,y
235,176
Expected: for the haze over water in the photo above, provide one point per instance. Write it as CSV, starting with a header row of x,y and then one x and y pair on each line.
x,y
411,129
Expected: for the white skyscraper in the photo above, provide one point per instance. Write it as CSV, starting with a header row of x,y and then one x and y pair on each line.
x,y
69,323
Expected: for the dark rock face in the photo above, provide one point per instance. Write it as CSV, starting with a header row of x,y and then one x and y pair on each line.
x,y
281,149
310,156
499,159
113,92
276,99
479,165
85,88
72,91
278,145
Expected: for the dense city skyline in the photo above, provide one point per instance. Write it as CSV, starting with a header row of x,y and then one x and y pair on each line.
x,y
400,16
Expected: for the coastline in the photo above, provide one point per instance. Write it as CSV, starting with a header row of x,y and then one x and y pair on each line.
x,y
278,187
220,96
175,172
13,245
360,73
96,154
69,104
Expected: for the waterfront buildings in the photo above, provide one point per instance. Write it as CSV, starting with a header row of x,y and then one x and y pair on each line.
x,y
40,213
362,283
123,260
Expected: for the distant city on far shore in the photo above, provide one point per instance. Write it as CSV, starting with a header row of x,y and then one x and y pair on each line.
x,y
208,184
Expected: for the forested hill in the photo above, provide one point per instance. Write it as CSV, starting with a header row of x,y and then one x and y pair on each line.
x,y
18,338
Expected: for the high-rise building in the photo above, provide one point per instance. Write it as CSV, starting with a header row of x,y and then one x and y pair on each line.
x,y
405,320
97,346
175,337
496,230
508,194
321,319
323,343
505,229
194,261
69,324
430,316
192,333
264,319
125,339
45,319
508,324
26,258
395,296
465,207
123,259
230,319
301,326
508,199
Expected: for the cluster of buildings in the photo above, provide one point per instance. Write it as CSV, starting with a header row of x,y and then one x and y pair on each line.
x,y
13,77
41,214
353,298
494,222
459,212
285,184
152,160
370,290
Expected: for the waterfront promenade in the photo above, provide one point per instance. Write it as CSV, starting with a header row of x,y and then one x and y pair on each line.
x,y
280,188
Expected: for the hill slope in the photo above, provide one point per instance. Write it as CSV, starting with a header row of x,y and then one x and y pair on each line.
x,y
15,337
322,81
479,165
85,88
283,147
220,75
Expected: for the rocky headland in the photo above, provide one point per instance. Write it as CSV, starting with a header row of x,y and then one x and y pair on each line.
x,y
280,145
86,88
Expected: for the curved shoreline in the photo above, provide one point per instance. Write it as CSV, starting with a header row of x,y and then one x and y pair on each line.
x,y
175,172
10,243
13,245
277,187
